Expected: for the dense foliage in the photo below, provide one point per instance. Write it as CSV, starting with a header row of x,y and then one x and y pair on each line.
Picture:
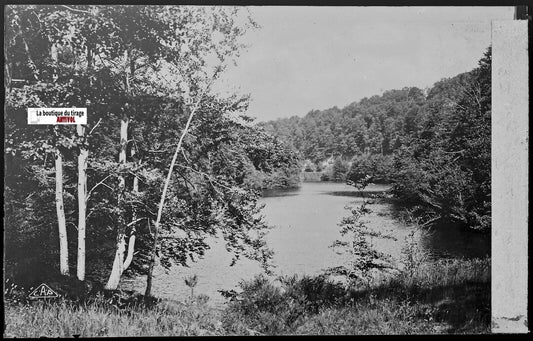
x,y
432,145
373,125
445,168
438,298
143,68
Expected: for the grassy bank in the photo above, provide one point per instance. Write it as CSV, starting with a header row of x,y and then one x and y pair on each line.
x,y
98,318
450,296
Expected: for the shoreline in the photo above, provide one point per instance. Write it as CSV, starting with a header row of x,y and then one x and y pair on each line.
x,y
443,297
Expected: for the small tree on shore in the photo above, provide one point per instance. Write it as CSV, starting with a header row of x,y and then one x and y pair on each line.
x,y
362,256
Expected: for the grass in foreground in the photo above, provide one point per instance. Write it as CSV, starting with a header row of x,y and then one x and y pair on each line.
x,y
65,319
442,297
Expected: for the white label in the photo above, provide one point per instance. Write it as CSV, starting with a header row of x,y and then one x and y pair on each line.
x,y
57,115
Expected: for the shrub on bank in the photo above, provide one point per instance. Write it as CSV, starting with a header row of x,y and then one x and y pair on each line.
x,y
445,296
266,307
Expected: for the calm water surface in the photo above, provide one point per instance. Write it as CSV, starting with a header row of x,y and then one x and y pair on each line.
x,y
305,224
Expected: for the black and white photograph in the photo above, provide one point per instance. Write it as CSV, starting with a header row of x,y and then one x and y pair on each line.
x,y
217,170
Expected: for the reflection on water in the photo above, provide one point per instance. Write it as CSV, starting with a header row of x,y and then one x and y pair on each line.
x,y
354,193
451,240
305,224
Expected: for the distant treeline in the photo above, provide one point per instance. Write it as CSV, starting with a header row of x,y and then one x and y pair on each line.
x,y
433,145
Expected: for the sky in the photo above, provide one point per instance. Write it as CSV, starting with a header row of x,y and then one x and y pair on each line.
x,y
305,58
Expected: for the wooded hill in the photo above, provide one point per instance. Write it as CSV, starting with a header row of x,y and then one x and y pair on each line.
x,y
433,145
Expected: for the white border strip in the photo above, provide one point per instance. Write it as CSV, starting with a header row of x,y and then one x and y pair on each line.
x,y
509,176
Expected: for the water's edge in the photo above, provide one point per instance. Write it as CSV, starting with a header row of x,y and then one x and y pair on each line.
x,y
305,221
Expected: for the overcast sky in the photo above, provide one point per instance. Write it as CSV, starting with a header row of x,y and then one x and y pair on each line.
x,y
305,58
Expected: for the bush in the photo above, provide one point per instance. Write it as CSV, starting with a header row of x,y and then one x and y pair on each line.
x,y
378,167
267,308
441,188
444,296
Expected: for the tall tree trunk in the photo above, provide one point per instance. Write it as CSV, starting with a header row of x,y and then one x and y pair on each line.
x,y
131,242
8,66
54,56
131,249
61,222
60,208
153,252
82,203
118,262
82,190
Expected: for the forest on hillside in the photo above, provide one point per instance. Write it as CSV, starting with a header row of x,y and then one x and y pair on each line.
x,y
433,146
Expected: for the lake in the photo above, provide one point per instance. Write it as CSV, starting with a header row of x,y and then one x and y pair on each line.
x,y
305,224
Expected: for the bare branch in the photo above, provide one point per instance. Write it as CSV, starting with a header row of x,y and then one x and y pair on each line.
x,y
160,151
75,226
75,10
207,176
456,152
98,184
149,229
187,182
96,125
136,220
429,222
184,156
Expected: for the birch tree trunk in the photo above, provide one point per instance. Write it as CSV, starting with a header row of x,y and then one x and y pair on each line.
x,y
61,222
153,252
82,203
131,242
60,208
118,262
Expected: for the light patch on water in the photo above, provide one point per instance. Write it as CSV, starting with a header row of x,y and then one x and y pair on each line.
x,y
305,225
